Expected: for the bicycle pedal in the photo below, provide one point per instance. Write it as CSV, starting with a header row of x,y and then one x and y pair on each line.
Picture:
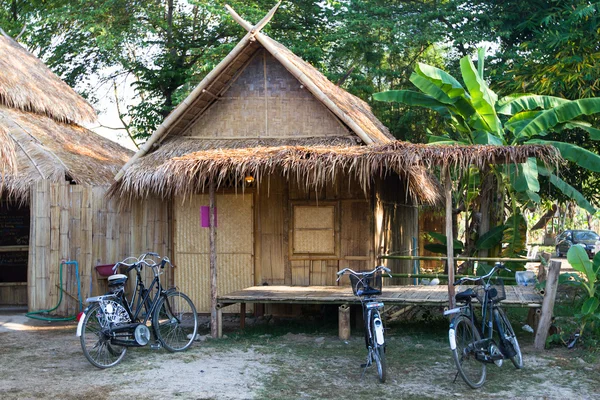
x,y
156,346
364,365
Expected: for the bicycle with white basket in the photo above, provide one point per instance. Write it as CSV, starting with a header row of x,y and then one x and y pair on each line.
x,y
111,323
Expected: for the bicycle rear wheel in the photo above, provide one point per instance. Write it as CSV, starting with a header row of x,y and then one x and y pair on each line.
x,y
462,335
378,352
175,321
95,340
508,338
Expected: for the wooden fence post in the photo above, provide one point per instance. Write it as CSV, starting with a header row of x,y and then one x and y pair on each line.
x,y
547,305
344,322
533,317
214,323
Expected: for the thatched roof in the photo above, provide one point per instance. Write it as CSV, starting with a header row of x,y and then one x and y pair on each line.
x,y
47,149
314,166
39,137
351,111
28,85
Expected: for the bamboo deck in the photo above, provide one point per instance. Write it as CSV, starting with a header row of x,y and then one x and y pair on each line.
x,y
516,296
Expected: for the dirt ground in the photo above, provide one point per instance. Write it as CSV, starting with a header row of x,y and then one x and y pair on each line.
x,y
42,360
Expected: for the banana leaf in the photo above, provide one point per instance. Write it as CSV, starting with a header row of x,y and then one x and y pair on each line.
x,y
482,98
560,114
441,79
511,105
580,156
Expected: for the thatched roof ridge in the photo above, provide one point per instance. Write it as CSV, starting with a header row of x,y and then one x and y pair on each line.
x,y
355,108
349,109
47,149
314,166
28,85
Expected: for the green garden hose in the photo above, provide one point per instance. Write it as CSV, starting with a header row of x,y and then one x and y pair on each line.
x,y
38,314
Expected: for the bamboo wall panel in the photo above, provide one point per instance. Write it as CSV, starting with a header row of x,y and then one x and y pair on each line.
x,y
266,101
14,294
235,247
430,220
272,216
396,225
77,223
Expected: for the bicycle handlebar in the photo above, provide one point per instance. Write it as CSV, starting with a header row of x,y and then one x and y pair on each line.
x,y
351,271
496,267
142,260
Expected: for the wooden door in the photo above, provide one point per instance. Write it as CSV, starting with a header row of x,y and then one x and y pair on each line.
x,y
235,247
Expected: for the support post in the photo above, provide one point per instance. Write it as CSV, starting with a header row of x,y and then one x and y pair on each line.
x,y
219,323
214,325
344,321
547,305
449,236
242,315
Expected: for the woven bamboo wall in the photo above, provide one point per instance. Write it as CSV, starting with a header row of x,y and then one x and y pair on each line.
x,y
266,101
396,224
431,219
235,247
353,231
73,222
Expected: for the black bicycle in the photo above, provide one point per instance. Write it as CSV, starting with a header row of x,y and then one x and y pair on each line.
x,y
367,285
474,344
112,322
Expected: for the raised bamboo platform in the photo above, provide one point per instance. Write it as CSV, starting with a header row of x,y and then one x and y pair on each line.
x,y
516,296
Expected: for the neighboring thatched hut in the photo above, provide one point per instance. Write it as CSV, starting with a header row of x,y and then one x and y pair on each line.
x,y
54,174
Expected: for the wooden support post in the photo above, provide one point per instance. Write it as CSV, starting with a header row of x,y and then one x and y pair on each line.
x,y
213,263
219,325
547,305
242,315
533,317
344,321
449,236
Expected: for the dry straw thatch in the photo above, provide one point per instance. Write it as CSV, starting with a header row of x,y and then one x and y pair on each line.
x,y
314,166
27,84
47,149
39,137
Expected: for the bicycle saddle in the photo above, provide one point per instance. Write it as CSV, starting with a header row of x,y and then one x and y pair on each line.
x,y
465,295
368,292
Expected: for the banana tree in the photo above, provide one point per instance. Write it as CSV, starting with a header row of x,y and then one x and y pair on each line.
x,y
475,115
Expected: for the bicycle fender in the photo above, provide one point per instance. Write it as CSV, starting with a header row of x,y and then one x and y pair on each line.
x,y
80,323
452,339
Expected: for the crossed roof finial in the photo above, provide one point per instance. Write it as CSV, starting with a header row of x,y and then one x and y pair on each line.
x,y
252,29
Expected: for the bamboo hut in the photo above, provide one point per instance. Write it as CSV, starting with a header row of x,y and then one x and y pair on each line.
x,y
54,177
302,177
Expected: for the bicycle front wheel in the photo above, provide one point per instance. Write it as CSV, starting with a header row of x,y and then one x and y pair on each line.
x,y
378,350
508,339
462,335
95,340
175,321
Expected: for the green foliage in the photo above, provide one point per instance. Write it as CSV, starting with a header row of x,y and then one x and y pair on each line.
x,y
441,246
588,279
472,117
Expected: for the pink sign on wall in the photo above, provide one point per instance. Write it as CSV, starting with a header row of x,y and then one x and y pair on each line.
x,y
205,217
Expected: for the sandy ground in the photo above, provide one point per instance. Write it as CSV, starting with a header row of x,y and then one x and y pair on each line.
x,y
42,360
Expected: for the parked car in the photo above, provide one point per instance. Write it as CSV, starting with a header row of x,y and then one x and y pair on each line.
x,y
584,238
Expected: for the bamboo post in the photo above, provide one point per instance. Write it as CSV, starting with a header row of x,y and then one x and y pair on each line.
x,y
214,329
449,236
547,305
344,322
533,317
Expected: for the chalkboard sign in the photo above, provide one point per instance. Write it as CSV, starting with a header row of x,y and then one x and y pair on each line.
x,y
13,266
14,225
